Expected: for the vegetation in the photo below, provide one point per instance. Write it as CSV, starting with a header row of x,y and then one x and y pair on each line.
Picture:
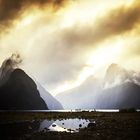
x,y
131,110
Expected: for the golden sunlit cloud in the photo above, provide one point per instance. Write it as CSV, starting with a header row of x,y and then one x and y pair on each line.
x,y
64,42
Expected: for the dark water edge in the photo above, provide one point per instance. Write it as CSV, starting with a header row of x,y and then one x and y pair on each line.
x,y
69,110
108,125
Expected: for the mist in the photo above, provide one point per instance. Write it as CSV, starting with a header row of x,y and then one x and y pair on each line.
x,y
119,88
62,43
8,66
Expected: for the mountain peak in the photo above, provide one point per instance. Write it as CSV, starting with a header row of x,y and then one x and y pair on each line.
x,y
8,67
20,92
115,74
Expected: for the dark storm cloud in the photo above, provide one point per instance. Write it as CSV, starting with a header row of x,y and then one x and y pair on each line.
x,y
116,22
12,9
53,53
68,46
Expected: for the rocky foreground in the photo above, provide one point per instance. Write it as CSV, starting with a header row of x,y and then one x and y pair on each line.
x,y
108,126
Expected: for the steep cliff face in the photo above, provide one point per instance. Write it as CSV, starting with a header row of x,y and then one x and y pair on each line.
x,y
52,102
19,92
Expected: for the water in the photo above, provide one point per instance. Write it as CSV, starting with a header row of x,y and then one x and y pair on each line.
x,y
27,128
65,125
68,110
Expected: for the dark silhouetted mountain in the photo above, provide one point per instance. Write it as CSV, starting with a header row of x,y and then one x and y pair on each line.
x,y
20,92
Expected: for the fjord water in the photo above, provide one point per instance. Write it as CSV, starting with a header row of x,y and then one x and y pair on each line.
x,y
66,110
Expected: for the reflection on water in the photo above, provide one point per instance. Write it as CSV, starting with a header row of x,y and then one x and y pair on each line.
x,y
27,128
65,125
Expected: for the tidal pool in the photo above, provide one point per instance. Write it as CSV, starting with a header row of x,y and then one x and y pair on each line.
x,y
64,125
28,128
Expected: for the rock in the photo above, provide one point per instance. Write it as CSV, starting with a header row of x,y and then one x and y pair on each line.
x,y
53,125
90,125
80,125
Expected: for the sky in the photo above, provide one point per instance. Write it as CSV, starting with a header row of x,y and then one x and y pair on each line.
x,y
63,42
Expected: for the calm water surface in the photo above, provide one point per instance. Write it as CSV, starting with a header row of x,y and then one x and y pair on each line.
x,y
64,125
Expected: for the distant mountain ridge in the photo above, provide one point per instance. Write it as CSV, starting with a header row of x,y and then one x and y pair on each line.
x,y
126,95
116,75
120,89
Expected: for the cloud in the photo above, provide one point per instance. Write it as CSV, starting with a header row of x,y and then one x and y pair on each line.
x,y
8,66
117,21
54,53
11,10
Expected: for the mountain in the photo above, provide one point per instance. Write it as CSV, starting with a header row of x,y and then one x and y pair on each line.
x,y
115,75
83,96
52,103
126,95
119,88
19,92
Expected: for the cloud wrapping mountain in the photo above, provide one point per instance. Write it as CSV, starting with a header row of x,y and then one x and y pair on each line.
x,y
60,36
109,94
19,92
8,67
